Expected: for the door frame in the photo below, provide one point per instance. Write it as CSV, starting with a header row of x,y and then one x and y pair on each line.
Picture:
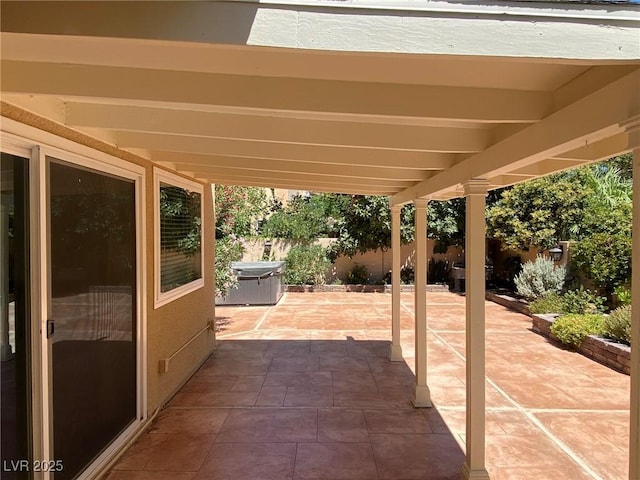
x,y
36,145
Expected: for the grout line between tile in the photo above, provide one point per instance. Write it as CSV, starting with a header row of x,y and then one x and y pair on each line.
x,y
548,433
263,318
573,456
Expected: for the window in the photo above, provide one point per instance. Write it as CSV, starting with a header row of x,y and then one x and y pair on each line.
x,y
178,238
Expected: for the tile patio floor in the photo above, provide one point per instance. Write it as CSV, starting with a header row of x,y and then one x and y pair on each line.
x,y
303,390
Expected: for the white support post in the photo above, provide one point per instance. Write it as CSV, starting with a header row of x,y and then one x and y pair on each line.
x,y
395,354
475,192
634,427
422,395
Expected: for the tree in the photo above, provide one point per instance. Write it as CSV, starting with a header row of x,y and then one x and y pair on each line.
x,y
238,209
540,212
307,217
446,222
365,225
604,255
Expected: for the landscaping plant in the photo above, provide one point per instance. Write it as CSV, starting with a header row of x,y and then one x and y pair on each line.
x,y
551,302
622,294
582,301
306,265
539,277
228,249
617,325
573,328
358,275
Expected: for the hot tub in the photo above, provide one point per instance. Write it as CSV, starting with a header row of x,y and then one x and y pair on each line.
x,y
259,283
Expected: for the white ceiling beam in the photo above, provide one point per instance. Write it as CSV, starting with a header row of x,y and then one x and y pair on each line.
x,y
275,129
450,70
600,150
293,180
312,187
288,94
323,154
545,167
595,117
286,166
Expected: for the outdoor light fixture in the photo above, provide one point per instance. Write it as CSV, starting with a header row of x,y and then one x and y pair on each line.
x,y
556,253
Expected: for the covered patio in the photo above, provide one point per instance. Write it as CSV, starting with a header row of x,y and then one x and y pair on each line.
x,y
418,101
305,389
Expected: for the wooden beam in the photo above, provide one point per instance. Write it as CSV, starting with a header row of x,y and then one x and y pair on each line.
x,y
291,94
303,180
595,117
275,129
300,153
190,160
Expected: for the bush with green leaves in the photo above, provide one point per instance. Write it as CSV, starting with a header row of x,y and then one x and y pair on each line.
x,y
582,301
306,265
622,295
358,275
604,258
550,302
238,209
539,277
573,328
617,325
228,249
573,301
306,217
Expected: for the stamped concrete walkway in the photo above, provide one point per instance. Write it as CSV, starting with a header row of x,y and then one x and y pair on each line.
x,y
304,390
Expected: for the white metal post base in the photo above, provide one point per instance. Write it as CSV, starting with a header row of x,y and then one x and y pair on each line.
x,y
476,474
395,353
421,397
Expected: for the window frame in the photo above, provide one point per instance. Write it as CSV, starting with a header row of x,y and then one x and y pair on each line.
x,y
162,176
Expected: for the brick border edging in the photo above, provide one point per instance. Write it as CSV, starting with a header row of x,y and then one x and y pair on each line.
x,y
359,288
519,306
611,354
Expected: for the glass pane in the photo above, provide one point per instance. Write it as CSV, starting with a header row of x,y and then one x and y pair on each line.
x,y
93,274
14,317
180,237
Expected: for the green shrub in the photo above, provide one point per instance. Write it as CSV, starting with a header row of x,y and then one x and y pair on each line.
x,y
306,265
358,275
550,302
228,249
582,301
539,277
617,326
604,258
572,329
622,295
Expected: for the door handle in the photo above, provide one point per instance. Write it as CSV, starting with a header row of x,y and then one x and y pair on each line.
x,y
51,328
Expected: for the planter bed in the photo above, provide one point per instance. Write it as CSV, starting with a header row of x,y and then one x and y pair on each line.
x,y
602,350
508,301
359,288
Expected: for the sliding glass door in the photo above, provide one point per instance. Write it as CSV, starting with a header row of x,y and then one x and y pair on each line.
x,y
92,320
15,427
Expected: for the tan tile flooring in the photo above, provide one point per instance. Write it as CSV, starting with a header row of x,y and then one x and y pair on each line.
x,y
304,390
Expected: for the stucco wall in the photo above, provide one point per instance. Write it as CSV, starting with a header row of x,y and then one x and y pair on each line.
x,y
170,326
378,262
